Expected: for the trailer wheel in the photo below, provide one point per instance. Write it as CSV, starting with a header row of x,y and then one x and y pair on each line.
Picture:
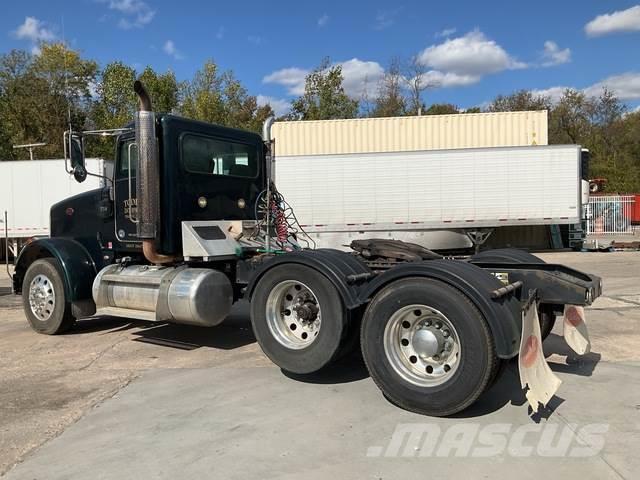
x,y
43,298
427,347
545,312
298,318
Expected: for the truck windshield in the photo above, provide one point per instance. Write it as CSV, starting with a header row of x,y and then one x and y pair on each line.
x,y
217,157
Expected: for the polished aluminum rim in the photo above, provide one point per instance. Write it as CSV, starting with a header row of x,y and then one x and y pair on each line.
x,y
42,297
293,314
422,345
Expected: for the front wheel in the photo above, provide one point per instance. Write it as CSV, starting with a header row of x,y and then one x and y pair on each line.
x,y
427,347
44,300
298,318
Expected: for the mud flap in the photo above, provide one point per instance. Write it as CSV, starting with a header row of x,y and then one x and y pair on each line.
x,y
534,370
575,329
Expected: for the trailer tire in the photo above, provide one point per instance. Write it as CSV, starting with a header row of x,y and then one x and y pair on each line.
x,y
545,312
402,363
299,336
44,300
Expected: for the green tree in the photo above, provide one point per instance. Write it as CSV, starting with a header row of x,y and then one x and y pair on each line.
x,y
163,89
324,97
216,96
40,95
441,109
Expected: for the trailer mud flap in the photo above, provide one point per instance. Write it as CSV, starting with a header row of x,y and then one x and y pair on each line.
x,y
575,329
534,370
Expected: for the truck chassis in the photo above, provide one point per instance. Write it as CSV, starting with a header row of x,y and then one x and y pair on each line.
x,y
434,332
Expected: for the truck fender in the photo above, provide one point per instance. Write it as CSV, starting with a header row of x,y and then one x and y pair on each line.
x,y
78,268
333,264
503,314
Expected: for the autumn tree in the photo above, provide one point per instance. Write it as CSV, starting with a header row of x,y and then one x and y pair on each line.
x,y
390,101
519,101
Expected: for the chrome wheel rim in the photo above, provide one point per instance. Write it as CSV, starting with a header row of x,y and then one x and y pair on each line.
x,y
422,345
42,297
293,314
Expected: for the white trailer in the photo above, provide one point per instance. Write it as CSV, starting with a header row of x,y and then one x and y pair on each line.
x,y
28,189
408,195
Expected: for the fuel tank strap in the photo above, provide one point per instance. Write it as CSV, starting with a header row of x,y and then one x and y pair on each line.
x,y
162,307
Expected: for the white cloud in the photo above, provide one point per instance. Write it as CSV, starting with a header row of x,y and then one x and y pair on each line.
x,y
554,93
625,86
554,55
323,20
292,78
385,18
280,106
135,13
447,32
470,55
170,49
359,76
438,79
619,21
34,30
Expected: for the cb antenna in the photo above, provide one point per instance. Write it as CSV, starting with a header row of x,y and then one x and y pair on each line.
x,y
66,73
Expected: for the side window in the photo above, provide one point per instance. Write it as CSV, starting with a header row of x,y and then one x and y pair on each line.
x,y
128,157
217,157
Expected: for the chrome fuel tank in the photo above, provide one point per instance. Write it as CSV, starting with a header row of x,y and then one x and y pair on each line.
x,y
196,296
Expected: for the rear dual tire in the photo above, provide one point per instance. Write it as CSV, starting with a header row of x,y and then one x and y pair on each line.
x,y
299,318
397,338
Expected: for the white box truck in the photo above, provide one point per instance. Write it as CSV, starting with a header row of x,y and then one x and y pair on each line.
x,y
28,189
420,179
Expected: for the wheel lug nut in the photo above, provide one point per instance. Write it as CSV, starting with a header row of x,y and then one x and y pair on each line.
x,y
446,333
438,325
436,357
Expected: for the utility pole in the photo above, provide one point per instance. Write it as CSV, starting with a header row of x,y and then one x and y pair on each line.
x,y
30,146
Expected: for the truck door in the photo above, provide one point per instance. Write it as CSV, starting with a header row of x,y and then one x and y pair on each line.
x,y
125,190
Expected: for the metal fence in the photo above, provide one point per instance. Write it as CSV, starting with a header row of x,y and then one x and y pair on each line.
x,y
610,214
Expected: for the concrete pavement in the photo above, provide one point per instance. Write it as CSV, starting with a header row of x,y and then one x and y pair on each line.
x,y
173,401
257,423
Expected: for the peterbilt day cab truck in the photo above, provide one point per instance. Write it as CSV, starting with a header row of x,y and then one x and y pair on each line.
x,y
193,222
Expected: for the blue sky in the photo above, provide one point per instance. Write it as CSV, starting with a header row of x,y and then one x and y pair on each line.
x,y
470,50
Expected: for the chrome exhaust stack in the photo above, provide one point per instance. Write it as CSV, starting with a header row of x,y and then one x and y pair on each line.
x,y
148,177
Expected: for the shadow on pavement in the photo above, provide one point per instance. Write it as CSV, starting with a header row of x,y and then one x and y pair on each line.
x,y
583,365
348,369
234,332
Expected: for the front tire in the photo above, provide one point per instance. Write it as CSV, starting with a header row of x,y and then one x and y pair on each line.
x,y
44,300
298,318
427,347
